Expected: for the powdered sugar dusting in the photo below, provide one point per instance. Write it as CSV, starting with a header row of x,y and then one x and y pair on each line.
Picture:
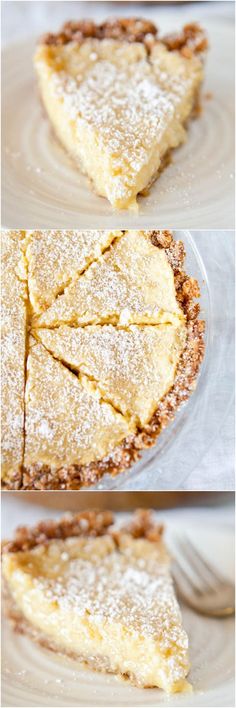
x,y
65,420
129,586
88,396
56,258
13,333
132,102
132,367
132,283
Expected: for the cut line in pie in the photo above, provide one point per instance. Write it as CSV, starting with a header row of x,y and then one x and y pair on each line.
x,y
109,345
119,97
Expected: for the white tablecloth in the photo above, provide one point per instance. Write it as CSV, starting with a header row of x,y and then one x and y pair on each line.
x,y
22,19
217,466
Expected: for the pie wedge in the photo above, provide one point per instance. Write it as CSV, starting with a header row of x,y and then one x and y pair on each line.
x,y
102,595
111,345
133,368
132,283
65,418
119,97
66,258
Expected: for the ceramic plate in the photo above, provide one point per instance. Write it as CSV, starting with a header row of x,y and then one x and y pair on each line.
x,y
43,189
32,676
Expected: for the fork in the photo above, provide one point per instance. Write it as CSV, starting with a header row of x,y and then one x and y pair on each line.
x,y
199,585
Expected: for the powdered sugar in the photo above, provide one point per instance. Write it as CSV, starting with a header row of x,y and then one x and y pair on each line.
x,y
56,258
133,105
126,586
133,281
65,422
13,333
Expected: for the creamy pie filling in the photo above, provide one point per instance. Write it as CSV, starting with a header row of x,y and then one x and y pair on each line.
x,y
108,346
118,107
108,600
131,283
131,367
13,351
56,258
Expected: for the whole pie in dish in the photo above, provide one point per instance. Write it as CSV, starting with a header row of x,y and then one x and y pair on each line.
x,y
101,345
99,594
119,97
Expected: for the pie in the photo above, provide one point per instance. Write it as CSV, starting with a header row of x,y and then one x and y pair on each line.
x,y
102,344
101,594
13,351
119,97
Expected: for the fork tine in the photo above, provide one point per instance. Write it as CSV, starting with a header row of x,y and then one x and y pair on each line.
x,y
194,560
182,573
213,575
183,586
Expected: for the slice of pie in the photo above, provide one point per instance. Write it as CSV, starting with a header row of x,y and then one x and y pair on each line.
x,y
132,283
132,368
66,420
103,596
119,97
111,346
56,258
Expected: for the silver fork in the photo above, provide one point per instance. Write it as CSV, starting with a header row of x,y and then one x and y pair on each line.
x,y
199,585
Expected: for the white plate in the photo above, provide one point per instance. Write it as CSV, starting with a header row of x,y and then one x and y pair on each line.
x,y
43,189
32,676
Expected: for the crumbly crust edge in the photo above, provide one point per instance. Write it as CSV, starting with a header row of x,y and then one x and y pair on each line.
x,y
190,40
123,456
91,523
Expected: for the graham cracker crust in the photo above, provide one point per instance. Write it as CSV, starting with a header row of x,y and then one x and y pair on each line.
x,y
190,40
91,523
74,477
87,523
